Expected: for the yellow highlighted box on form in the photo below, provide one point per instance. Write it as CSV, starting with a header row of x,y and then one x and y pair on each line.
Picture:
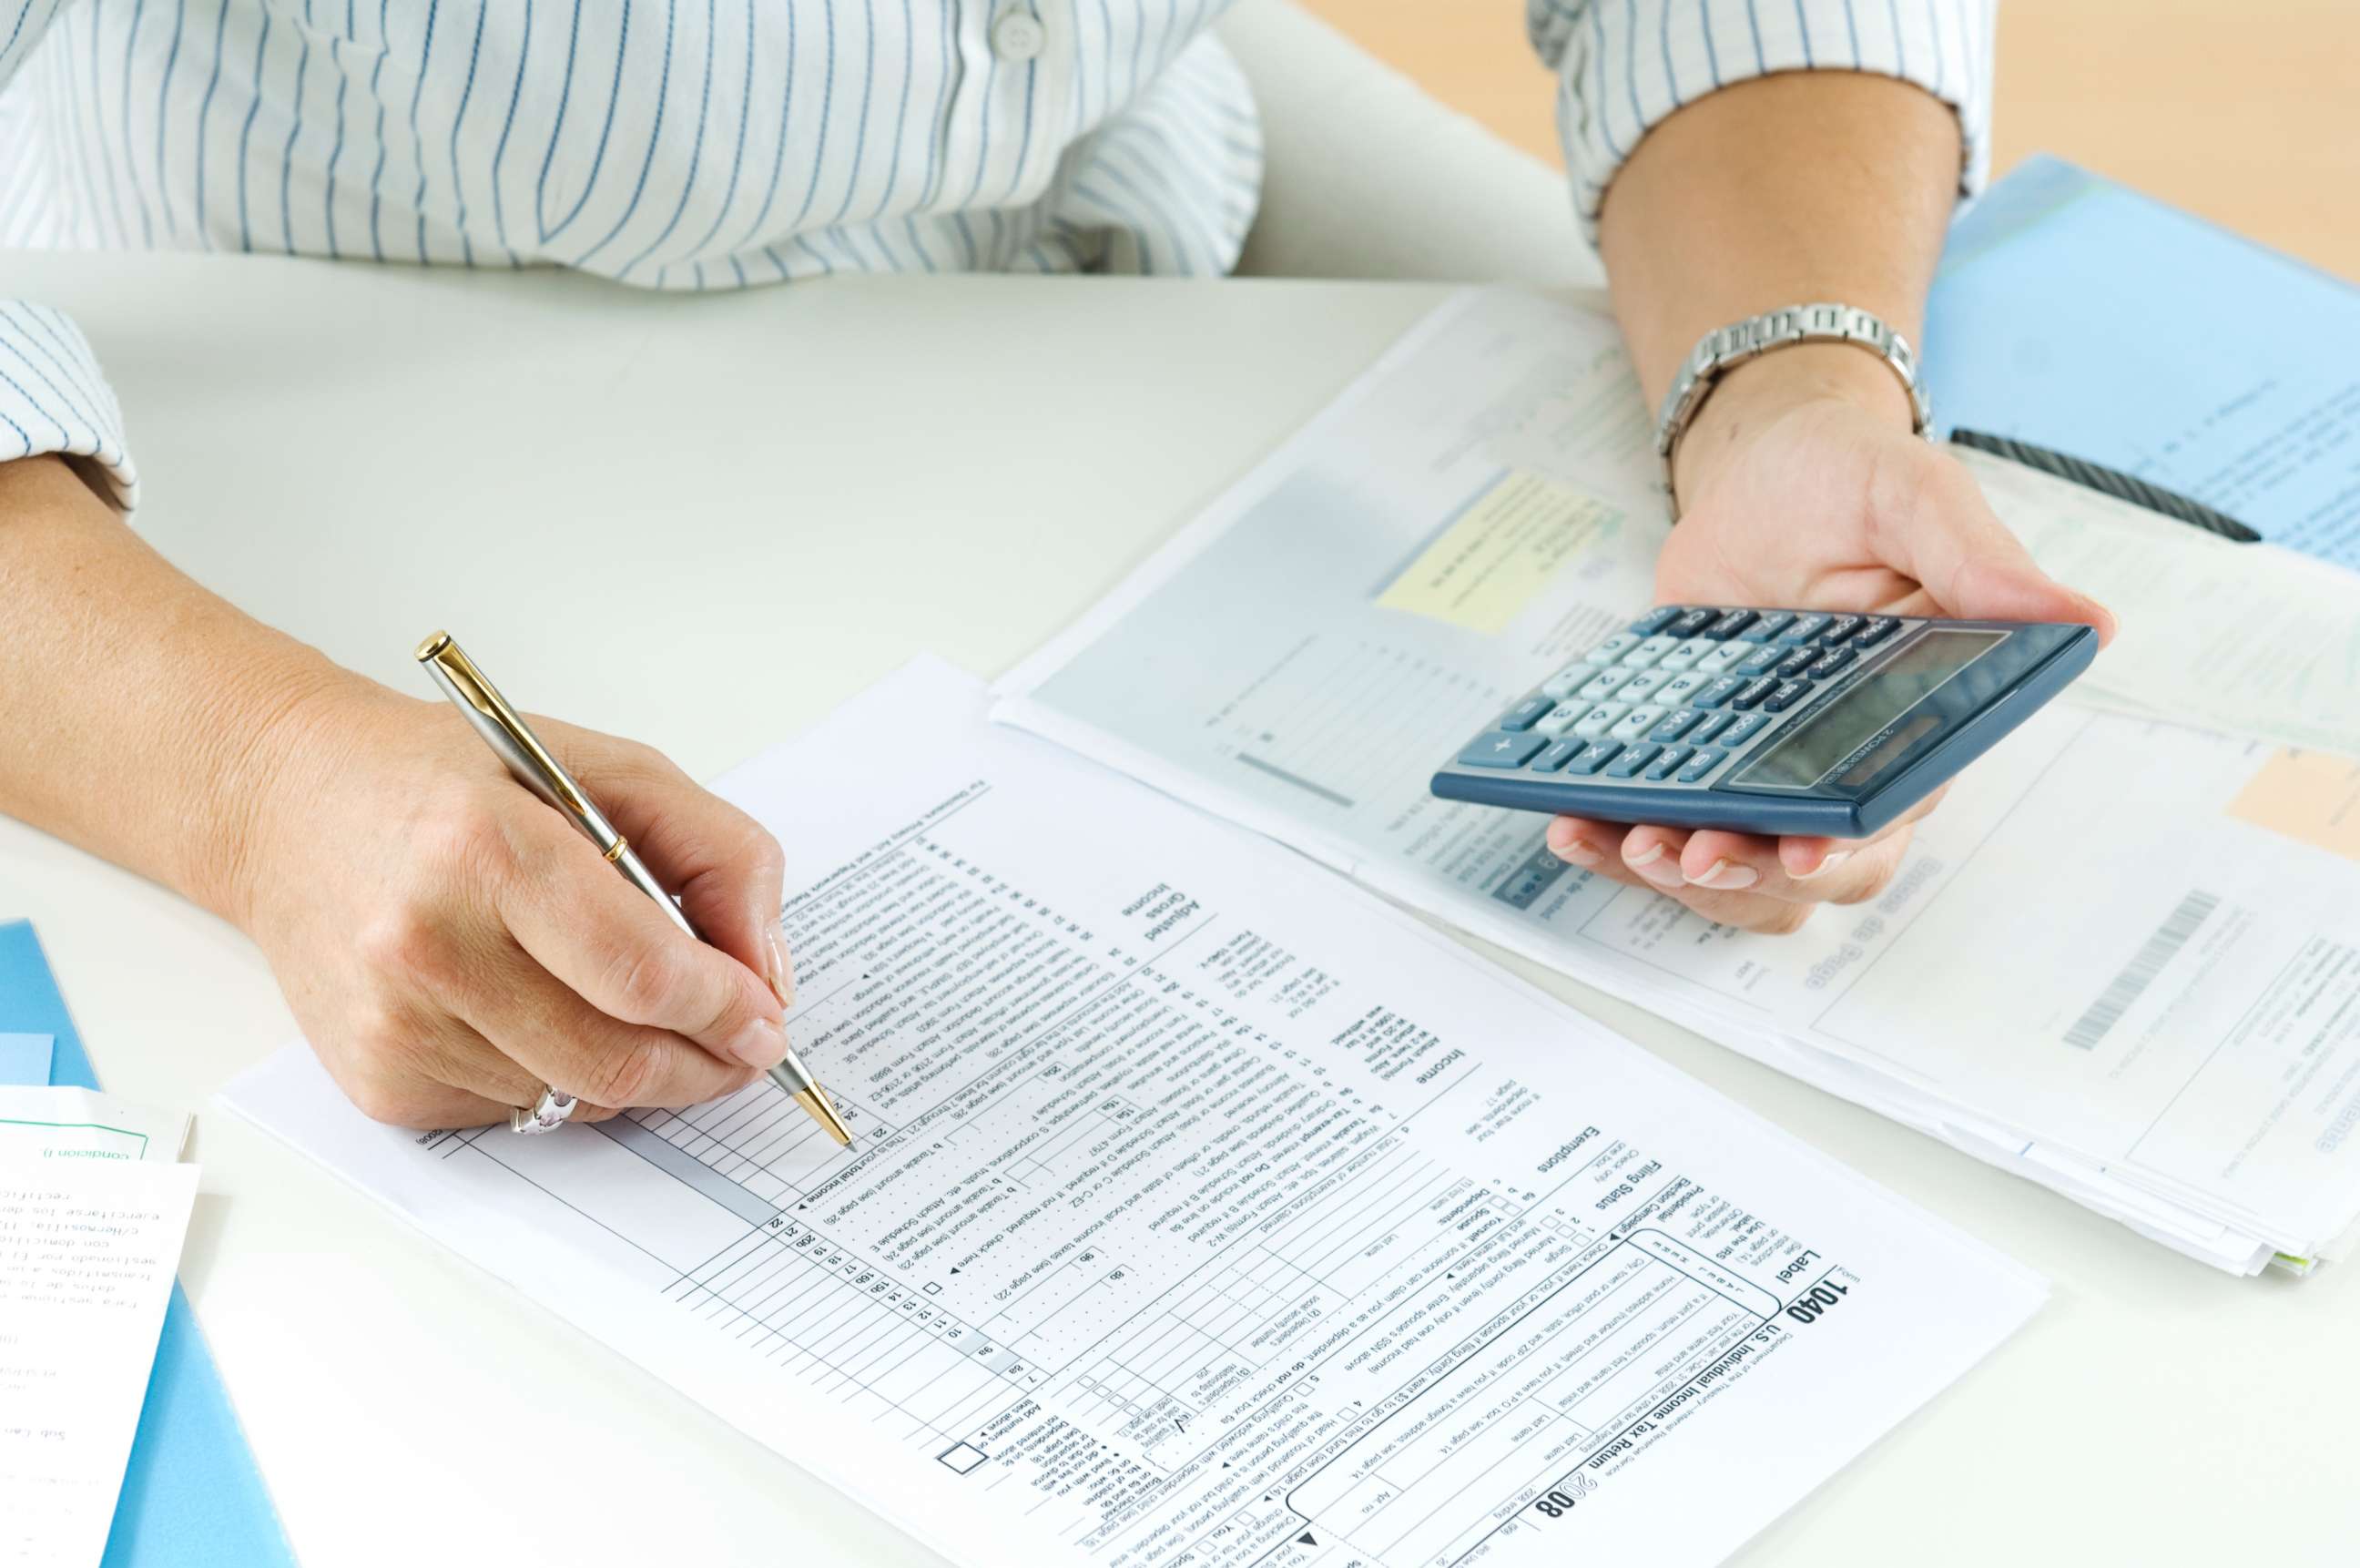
x,y
1486,567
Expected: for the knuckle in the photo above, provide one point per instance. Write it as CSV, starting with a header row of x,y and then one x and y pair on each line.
x,y
625,1075
388,1098
461,835
645,984
405,942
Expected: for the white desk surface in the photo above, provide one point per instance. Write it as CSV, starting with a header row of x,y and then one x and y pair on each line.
x,y
703,522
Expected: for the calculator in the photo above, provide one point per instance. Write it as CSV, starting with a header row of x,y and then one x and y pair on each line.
x,y
1766,720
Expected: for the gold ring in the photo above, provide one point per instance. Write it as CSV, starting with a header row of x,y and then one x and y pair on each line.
x,y
616,851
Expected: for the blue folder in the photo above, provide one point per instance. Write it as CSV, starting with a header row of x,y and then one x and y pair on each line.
x,y
192,1496
2072,313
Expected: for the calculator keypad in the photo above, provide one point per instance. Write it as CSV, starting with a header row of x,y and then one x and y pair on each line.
x,y
1678,693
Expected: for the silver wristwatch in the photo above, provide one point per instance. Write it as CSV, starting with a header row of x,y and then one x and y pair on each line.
x,y
1717,352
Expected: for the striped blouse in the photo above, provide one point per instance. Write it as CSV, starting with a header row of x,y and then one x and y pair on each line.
x,y
704,143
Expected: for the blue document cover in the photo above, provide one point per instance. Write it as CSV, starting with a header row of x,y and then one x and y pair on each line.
x,y
192,1496
2072,313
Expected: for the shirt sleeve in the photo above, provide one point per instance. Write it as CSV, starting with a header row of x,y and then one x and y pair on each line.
x,y
53,396
1623,65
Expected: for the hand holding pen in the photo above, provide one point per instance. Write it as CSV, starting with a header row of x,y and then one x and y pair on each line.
x,y
759,1040
450,945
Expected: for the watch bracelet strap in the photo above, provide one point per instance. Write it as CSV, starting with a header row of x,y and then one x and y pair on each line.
x,y
1723,350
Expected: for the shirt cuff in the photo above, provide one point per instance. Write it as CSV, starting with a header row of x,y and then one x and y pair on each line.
x,y
1625,65
54,397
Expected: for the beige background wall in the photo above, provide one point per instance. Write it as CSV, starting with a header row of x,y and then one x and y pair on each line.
x,y
2245,110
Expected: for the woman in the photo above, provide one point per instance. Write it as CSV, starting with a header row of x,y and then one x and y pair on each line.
x,y
461,948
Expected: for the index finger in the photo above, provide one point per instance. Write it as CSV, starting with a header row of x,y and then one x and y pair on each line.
x,y
617,951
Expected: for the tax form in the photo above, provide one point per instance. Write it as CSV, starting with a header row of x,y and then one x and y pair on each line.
x,y
1202,1208
93,1211
2122,960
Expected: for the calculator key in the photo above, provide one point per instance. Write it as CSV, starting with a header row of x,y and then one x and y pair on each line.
x,y
1643,684
1875,632
1558,756
1745,727
1630,762
1568,681
1685,656
1786,696
1655,621
1667,763
1635,723
1712,724
1613,648
1682,687
1762,661
1829,662
1598,720
1526,714
1754,692
1842,627
1772,624
1692,622
1804,628
1796,662
1732,621
1723,655
1676,724
1594,756
1561,718
1501,750
1605,683
1648,652
1720,692
1703,762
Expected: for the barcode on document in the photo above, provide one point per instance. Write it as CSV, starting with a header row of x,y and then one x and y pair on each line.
x,y
2153,954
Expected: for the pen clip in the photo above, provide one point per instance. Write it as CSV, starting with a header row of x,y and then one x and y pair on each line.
x,y
502,726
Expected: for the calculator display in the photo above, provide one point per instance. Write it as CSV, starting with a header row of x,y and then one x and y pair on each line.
x,y
1828,740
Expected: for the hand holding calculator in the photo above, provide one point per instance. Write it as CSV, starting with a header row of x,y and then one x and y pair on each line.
x,y
1766,722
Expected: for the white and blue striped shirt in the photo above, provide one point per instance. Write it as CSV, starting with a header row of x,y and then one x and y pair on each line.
x,y
699,144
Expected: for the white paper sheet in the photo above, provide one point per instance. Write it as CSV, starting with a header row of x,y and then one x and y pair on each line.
x,y
91,1217
2106,905
2249,639
1202,1207
65,1123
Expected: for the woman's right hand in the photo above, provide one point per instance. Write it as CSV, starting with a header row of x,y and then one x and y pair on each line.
x,y
449,943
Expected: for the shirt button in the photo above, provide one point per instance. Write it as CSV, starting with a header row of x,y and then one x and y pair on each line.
x,y
1018,35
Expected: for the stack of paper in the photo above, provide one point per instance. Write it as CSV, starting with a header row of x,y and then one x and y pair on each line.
x,y
2123,959
1202,1208
92,1209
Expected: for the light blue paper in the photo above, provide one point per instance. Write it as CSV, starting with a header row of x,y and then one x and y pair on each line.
x,y
25,1058
2075,314
192,1496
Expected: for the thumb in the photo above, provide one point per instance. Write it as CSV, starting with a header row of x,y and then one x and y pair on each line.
x,y
1974,566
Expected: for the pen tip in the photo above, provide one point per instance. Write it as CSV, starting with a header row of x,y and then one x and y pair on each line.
x,y
814,1099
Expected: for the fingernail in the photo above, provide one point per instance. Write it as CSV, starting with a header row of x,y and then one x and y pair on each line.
x,y
780,972
1835,858
1728,876
1652,864
760,1043
1578,851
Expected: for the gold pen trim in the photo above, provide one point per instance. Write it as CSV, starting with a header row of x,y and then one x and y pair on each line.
x,y
615,851
486,700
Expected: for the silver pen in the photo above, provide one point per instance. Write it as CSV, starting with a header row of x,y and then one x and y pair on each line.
x,y
504,730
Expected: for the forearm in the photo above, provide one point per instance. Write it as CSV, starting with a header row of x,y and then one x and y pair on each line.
x,y
140,709
1788,188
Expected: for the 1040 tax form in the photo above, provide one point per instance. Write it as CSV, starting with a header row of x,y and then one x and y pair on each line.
x,y
1202,1208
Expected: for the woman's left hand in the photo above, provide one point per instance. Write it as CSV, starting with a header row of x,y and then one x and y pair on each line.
x,y
1806,490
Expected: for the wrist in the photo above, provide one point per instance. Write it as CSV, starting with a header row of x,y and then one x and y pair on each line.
x,y
1749,399
296,732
